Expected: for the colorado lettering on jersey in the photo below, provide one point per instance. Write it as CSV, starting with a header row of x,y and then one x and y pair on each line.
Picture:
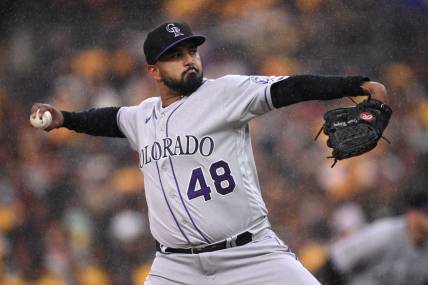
x,y
180,145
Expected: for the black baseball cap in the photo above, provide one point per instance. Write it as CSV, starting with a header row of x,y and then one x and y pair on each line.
x,y
165,37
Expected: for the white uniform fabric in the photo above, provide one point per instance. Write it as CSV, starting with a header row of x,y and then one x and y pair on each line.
x,y
200,178
265,261
184,140
382,253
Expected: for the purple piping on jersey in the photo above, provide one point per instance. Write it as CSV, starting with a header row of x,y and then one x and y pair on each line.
x,y
176,182
169,207
267,102
184,205
167,120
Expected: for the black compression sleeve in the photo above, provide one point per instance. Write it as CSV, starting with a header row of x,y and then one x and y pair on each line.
x,y
96,122
300,88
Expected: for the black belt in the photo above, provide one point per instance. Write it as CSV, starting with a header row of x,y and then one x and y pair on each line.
x,y
241,239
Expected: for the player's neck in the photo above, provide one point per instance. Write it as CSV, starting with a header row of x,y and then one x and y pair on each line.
x,y
166,101
168,96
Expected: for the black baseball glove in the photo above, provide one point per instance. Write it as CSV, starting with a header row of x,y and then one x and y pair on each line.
x,y
355,130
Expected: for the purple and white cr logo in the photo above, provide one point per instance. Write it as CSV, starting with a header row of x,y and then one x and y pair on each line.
x,y
173,29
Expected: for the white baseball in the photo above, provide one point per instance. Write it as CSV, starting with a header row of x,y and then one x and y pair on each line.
x,y
42,123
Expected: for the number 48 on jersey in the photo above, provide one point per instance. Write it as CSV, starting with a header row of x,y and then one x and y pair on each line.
x,y
221,176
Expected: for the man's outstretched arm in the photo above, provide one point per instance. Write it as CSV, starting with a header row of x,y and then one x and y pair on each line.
x,y
95,122
300,88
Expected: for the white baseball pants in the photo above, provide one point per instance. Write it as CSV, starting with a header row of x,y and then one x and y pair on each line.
x,y
264,261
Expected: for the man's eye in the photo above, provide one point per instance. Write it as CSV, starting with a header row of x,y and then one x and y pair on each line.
x,y
173,55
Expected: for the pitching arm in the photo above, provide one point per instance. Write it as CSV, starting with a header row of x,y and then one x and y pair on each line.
x,y
96,122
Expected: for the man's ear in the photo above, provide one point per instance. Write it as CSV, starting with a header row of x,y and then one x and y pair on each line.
x,y
153,70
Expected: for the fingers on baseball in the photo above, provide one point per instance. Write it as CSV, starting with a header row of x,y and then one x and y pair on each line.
x,y
34,110
38,109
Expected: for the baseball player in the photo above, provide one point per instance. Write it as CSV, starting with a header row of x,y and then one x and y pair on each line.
x,y
391,250
204,200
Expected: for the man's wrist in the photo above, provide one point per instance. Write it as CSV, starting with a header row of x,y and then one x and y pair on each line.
x,y
65,118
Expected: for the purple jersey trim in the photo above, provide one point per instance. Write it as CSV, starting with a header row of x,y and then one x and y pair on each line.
x,y
182,201
167,120
169,207
266,99
176,182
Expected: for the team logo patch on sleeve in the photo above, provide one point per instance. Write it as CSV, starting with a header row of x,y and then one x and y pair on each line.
x,y
263,79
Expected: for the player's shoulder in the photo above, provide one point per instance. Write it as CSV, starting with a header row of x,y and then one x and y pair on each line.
x,y
238,79
145,104
227,79
388,225
138,111
229,82
149,102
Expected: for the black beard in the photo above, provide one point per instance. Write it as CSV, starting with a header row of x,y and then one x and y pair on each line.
x,y
185,86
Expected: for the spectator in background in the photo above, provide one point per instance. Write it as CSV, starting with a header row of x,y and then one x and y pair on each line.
x,y
392,250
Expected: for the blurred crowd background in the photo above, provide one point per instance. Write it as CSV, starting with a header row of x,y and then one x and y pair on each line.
x,y
72,207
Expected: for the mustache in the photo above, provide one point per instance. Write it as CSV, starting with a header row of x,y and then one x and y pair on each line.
x,y
190,69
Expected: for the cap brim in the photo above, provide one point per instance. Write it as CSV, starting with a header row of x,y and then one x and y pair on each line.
x,y
198,40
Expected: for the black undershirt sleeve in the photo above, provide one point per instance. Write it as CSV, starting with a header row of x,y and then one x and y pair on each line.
x,y
300,88
95,122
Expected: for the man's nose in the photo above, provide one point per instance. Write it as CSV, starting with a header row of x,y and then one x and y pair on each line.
x,y
188,59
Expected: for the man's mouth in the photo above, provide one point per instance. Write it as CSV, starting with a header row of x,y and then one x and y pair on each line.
x,y
190,70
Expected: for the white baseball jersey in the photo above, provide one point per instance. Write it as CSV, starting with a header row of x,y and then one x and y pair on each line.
x,y
200,178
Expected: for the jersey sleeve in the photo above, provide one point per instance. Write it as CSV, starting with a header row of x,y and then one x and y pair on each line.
x,y
127,118
246,97
365,246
